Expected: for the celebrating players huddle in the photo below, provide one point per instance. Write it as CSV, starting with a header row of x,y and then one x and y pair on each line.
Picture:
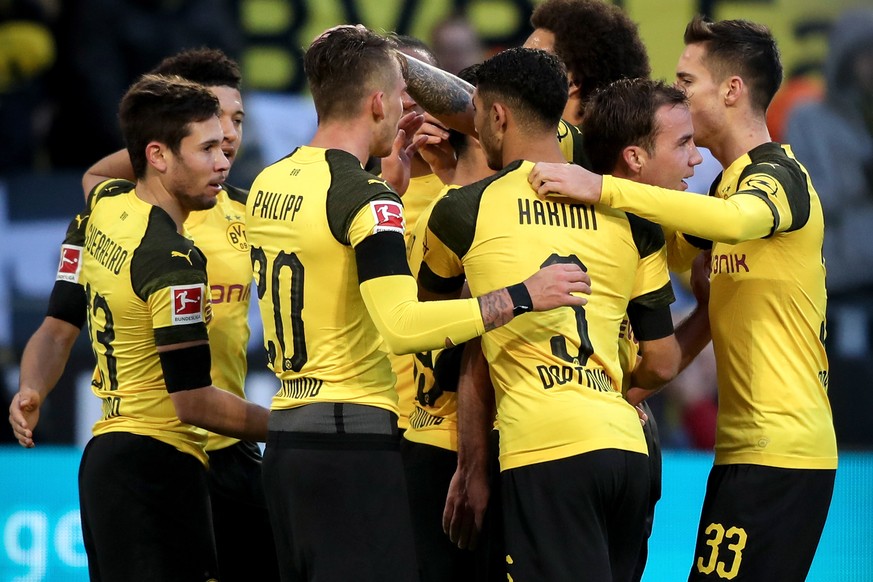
x,y
534,296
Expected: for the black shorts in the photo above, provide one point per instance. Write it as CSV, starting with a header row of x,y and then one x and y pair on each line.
x,y
579,518
145,511
429,472
338,501
243,537
761,523
653,442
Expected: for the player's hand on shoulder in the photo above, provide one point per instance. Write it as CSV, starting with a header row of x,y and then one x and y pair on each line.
x,y
567,180
558,285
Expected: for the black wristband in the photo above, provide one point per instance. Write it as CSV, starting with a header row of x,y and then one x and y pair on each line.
x,y
521,301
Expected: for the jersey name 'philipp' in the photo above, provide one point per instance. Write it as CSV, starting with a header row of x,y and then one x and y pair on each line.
x,y
547,213
276,205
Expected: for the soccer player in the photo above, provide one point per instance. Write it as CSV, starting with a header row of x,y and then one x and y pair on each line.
x,y
333,287
243,536
641,130
424,186
430,444
597,42
770,488
127,268
573,461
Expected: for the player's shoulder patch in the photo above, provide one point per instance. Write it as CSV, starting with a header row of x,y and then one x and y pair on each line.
x,y
388,216
351,188
71,263
187,303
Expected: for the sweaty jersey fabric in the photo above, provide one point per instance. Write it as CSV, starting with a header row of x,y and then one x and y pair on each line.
x,y
556,374
421,192
767,304
220,233
305,216
146,286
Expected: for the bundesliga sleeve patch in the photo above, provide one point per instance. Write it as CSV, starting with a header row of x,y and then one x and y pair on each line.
x,y
71,264
388,216
187,304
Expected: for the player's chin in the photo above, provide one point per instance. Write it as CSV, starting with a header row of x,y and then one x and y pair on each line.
x,y
209,197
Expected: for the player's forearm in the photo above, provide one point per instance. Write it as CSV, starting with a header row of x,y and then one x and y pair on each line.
x,y
658,365
410,326
693,334
738,218
45,355
443,95
222,412
475,410
114,165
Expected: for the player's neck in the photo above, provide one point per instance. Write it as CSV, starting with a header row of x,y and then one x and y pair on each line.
x,y
573,110
419,167
471,168
346,135
152,191
542,147
741,136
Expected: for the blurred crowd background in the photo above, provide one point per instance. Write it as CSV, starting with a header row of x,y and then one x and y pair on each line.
x,y
64,66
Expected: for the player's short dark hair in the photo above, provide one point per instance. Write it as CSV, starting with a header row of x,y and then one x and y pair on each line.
x,y
207,66
623,114
743,48
531,81
596,40
343,64
159,108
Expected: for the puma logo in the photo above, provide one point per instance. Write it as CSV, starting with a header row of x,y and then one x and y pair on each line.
x,y
374,181
79,219
186,256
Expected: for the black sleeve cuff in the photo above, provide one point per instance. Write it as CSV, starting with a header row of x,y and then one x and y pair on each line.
x,y
380,255
701,243
68,303
187,368
650,323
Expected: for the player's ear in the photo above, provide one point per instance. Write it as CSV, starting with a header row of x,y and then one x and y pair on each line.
x,y
733,88
575,88
498,115
156,155
634,158
377,105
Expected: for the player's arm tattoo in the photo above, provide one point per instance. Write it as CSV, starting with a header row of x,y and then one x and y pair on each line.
x,y
496,308
437,91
